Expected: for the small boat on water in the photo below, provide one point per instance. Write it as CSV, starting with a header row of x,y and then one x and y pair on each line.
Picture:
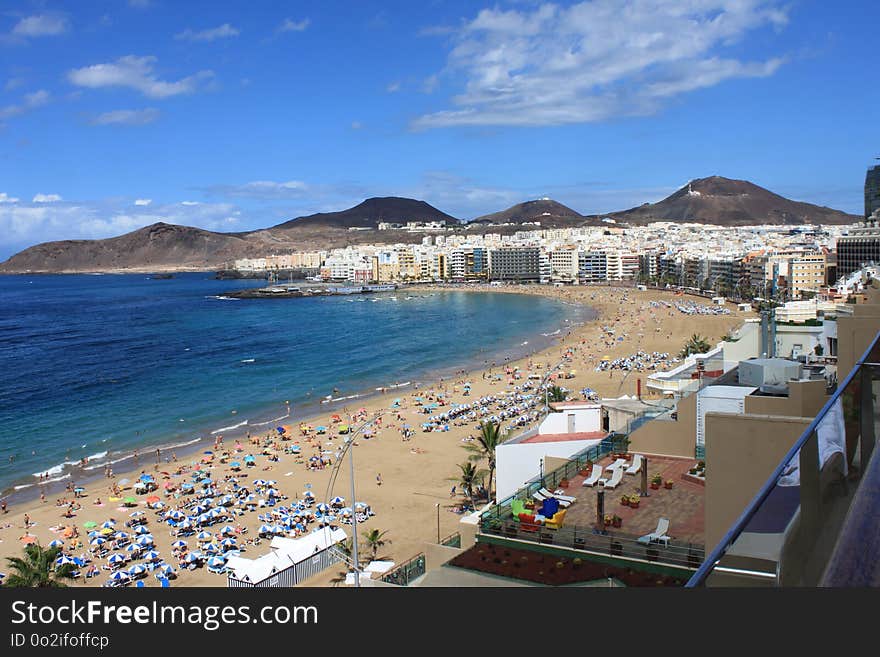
x,y
161,277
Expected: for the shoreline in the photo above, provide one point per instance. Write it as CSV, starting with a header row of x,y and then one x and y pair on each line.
x,y
416,471
128,461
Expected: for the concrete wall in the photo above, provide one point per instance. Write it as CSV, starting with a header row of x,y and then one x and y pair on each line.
x,y
672,437
519,462
747,345
437,555
805,399
585,419
741,452
855,333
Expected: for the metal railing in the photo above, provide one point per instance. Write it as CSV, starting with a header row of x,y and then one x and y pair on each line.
x,y
787,534
611,543
453,540
406,572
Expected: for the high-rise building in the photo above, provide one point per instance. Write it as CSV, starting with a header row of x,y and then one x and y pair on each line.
x,y
872,191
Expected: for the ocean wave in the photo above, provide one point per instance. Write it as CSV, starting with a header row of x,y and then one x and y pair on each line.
x,y
22,486
234,426
95,457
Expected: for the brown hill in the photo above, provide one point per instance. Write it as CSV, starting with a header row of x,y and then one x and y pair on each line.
x,y
391,209
158,246
547,212
725,202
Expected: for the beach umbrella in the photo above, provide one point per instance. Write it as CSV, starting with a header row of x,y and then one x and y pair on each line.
x,y
216,562
228,529
115,558
211,548
153,499
130,500
361,505
95,542
322,507
179,545
64,559
248,459
136,569
133,549
27,539
205,536
144,541
135,514
166,569
185,524
235,465
152,555
90,524
193,557
265,529
56,543
109,524
176,514
228,542
337,501
119,576
214,513
142,529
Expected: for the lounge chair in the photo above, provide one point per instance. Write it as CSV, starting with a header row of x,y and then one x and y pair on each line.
x,y
564,500
619,463
615,480
636,465
658,535
594,477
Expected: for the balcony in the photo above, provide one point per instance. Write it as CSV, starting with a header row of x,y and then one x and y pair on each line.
x,y
815,521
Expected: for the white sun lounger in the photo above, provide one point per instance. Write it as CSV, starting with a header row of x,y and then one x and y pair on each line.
x,y
561,498
619,463
659,534
615,480
636,465
594,477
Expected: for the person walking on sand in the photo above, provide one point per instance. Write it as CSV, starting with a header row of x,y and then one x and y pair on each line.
x,y
378,479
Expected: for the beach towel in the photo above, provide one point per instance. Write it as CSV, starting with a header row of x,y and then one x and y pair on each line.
x,y
832,439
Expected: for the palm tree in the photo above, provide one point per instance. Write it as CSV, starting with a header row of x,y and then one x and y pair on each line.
x,y
37,568
696,345
375,541
484,448
468,479
556,394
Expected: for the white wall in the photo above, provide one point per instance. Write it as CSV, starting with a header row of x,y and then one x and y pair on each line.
x,y
585,419
519,462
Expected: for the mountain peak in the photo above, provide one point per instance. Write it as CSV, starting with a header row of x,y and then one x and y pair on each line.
x,y
371,212
544,210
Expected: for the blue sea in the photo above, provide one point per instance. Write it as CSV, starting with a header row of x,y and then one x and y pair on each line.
x,y
100,365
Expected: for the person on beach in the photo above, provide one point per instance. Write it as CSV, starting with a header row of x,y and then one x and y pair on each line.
x,y
378,479
27,521
3,506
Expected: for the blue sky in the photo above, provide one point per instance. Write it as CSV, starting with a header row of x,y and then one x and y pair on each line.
x,y
115,114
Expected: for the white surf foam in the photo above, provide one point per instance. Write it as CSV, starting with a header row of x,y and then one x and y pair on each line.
x,y
234,426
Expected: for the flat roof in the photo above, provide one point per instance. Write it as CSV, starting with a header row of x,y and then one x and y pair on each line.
x,y
565,437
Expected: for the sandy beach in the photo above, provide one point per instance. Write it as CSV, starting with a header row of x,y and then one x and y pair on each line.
x,y
401,478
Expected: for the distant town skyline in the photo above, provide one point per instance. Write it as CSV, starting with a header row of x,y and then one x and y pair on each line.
x,y
230,118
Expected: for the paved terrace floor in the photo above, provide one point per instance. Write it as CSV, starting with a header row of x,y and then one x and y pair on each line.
x,y
683,504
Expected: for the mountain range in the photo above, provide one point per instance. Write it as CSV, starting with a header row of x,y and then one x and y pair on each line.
x,y
714,200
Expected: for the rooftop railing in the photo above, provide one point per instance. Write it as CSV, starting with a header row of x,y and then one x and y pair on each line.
x,y
802,523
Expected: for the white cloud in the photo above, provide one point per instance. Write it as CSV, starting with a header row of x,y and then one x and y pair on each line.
x,y
12,84
46,198
189,203
356,125
135,73
140,4
6,198
29,102
127,117
25,225
554,65
393,87
293,26
40,25
262,189
143,201
224,31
